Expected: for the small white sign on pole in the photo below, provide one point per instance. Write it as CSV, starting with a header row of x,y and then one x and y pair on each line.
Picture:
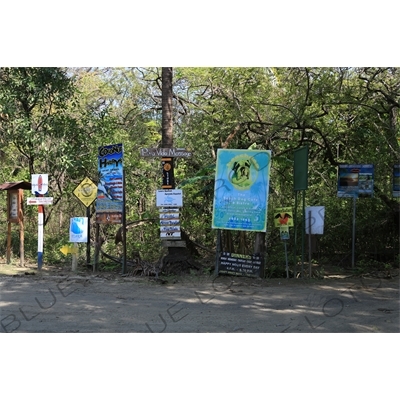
x,y
169,198
317,220
78,230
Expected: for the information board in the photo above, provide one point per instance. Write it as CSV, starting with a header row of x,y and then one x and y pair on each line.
x,y
241,190
355,180
240,264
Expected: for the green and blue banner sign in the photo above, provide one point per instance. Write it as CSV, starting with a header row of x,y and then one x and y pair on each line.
x,y
241,190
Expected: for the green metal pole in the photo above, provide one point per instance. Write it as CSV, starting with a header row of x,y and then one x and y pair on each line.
x,y
295,234
303,228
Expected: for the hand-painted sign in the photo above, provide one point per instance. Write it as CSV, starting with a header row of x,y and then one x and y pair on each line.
x,y
110,189
240,264
355,180
283,217
241,190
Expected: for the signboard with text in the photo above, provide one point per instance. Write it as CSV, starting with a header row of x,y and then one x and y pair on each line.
x,y
169,198
241,190
167,152
355,180
110,189
240,264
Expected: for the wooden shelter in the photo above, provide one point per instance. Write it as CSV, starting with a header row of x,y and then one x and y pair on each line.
x,y
15,215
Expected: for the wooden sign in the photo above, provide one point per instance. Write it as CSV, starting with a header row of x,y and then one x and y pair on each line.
x,y
173,152
14,205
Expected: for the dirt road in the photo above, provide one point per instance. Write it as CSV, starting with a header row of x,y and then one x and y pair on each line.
x,y
197,304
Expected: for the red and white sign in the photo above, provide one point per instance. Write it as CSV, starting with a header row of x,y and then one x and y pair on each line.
x,y
39,201
40,183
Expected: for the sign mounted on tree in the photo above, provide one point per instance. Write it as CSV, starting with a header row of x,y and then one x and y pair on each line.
x,y
167,173
169,152
169,198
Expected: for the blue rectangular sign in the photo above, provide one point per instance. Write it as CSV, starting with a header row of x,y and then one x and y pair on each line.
x,y
355,180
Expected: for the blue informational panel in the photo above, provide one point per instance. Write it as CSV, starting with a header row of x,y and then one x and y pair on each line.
x,y
241,190
355,180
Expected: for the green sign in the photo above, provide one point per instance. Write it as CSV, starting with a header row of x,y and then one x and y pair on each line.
x,y
301,168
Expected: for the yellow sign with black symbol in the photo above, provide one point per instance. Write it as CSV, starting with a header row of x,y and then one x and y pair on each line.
x,y
86,192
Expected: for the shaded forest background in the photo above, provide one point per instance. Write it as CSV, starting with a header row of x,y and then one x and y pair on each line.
x,y
52,120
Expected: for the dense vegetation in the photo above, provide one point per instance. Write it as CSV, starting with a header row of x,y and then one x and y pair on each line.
x,y
52,120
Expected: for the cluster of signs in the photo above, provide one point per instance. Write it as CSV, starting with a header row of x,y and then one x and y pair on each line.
x,y
169,203
40,187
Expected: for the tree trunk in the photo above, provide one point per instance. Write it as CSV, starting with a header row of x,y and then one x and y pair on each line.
x,y
166,77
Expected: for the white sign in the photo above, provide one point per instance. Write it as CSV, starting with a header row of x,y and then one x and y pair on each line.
x,y
78,229
169,198
169,210
317,220
169,216
39,201
168,222
170,228
40,183
170,235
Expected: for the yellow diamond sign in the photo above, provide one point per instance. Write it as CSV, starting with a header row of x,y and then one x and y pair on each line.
x,y
86,192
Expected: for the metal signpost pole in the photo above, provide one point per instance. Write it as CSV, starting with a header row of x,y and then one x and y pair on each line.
x,y
40,234
309,242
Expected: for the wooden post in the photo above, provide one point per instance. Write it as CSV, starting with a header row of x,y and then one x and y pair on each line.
x,y
9,243
97,247
75,257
